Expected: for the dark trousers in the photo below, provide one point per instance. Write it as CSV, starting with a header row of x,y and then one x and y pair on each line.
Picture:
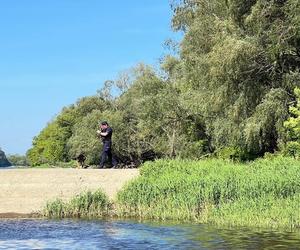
x,y
107,154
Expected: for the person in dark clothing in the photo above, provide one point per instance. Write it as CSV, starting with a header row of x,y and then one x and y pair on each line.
x,y
105,133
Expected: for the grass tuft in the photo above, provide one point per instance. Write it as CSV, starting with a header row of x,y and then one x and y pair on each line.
x,y
89,204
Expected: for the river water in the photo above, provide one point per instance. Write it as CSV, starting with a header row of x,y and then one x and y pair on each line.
x,y
118,234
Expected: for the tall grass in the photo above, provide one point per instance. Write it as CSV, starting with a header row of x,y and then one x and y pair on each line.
x,y
88,204
263,193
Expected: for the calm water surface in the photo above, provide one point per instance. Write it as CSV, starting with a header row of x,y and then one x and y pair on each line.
x,y
99,234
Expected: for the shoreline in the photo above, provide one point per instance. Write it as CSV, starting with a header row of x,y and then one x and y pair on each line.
x,y
19,216
25,192
211,192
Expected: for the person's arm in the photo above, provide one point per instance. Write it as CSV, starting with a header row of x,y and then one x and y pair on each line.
x,y
104,134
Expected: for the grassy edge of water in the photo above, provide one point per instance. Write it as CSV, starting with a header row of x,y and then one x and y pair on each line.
x,y
265,193
84,205
265,211
276,214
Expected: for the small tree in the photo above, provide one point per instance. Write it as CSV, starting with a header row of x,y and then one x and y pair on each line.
x,y
292,125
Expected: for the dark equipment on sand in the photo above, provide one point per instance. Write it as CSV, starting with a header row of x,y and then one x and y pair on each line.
x,y
80,161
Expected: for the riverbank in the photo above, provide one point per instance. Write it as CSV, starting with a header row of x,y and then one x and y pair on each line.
x,y
25,192
264,193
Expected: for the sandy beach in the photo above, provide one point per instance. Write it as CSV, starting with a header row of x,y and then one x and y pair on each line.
x,y
26,191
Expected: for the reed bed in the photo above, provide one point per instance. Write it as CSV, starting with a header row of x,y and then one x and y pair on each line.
x,y
264,193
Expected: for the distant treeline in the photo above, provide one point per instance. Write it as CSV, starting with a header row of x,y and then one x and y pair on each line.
x,y
18,160
224,90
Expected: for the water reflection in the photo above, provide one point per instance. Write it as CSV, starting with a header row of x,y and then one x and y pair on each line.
x,y
241,238
116,234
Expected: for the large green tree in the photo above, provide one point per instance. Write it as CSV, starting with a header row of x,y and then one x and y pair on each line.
x,y
241,61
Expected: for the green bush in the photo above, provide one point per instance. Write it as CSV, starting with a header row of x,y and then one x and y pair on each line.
x,y
292,148
194,150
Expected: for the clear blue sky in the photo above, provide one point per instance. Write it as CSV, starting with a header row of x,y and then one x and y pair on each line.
x,y
53,52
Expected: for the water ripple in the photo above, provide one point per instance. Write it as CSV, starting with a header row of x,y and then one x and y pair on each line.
x,y
116,234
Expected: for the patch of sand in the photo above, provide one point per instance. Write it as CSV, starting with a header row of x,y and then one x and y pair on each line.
x,y
26,191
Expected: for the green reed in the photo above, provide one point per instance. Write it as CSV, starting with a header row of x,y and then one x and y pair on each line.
x,y
87,204
262,193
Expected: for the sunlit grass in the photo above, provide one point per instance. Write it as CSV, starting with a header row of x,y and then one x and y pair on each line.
x,y
263,193
87,204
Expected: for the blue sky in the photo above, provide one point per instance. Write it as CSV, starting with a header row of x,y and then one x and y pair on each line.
x,y
53,52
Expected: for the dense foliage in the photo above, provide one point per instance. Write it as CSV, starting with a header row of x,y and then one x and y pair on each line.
x,y
226,92
292,147
241,64
263,193
18,160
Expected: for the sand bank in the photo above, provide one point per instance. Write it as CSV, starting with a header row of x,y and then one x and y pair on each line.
x,y
26,191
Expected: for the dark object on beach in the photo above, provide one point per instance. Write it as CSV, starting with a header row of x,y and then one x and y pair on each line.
x,y
3,160
134,161
80,161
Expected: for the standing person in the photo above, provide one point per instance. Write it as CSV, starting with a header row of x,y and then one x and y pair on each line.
x,y
106,133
